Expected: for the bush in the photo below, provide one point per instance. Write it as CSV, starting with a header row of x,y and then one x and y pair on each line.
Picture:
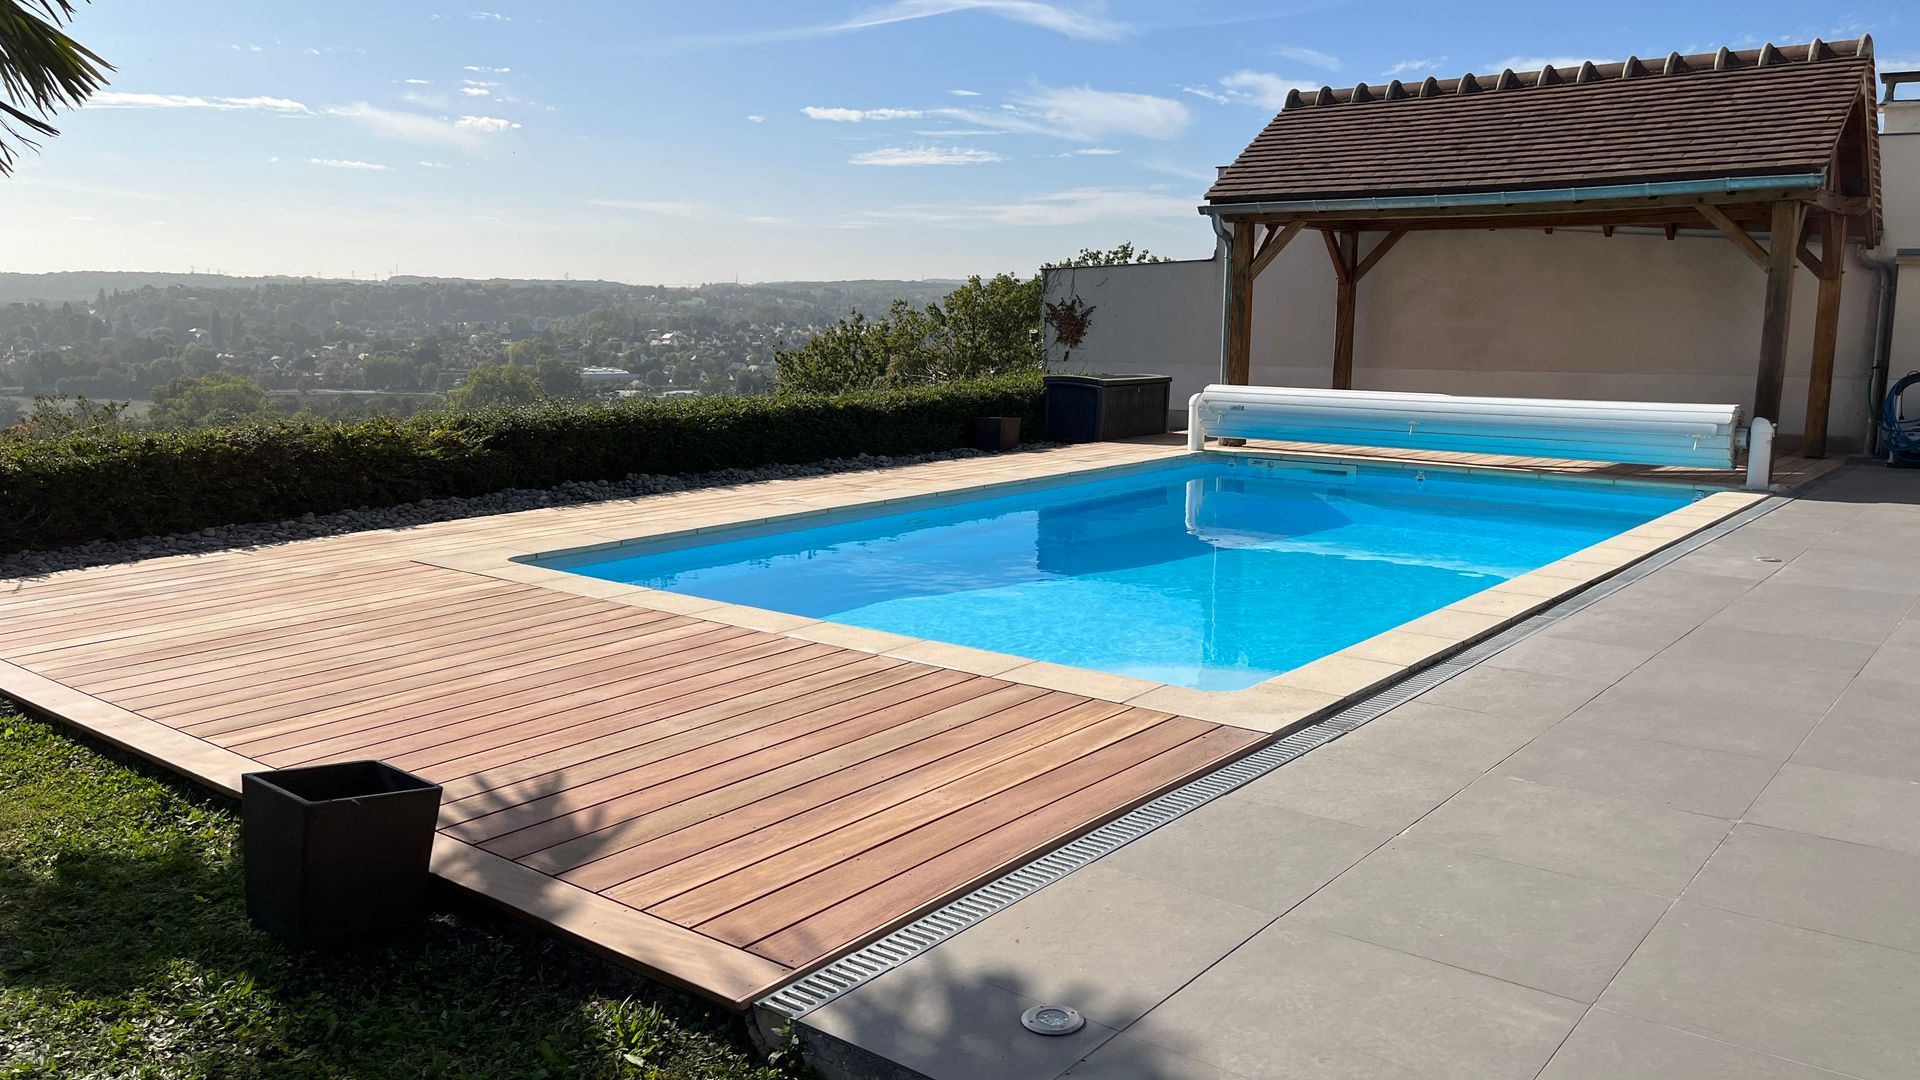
x,y
114,487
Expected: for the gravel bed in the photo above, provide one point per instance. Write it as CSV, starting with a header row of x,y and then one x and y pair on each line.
x,y
100,552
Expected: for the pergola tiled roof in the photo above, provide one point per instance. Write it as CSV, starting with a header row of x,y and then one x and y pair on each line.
x,y
1774,140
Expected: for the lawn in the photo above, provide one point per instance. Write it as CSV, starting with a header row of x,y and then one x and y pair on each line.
x,y
125,951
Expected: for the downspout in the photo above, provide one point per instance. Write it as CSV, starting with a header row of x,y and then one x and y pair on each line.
x,y
1224,233
1887,270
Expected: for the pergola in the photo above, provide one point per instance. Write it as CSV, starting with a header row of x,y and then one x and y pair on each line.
x,y
1780,141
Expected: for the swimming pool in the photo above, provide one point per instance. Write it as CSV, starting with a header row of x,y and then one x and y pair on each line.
x,y
1213,575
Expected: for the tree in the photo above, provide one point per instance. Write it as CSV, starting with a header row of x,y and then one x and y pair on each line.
x,y
985,327
496,386
558,378
41,70
219,398
389,372
530,351
1120,255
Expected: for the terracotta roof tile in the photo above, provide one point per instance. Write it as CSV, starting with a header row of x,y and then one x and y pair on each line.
x,y
1759,112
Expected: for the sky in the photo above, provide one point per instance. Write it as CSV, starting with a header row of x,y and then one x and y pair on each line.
x,y
673,142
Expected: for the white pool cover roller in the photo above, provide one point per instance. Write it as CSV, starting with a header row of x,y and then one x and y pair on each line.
x,y
1639,432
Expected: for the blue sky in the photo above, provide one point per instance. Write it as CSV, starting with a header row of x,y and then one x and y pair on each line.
x,y
681,142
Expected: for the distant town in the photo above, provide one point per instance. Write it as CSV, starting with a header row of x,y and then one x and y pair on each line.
x,y
351,348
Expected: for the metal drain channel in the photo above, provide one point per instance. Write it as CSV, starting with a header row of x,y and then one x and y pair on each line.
x,y
802,996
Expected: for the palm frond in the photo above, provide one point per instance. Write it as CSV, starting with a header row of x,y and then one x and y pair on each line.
x,y
41,70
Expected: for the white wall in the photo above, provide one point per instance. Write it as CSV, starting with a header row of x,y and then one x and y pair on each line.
x,y
1900,156
1634,316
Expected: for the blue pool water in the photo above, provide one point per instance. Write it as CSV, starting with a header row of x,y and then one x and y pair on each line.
x,y
1213,575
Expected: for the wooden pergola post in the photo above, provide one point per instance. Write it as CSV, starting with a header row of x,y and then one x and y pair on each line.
x,y
1240,304
1826,331
1783,242
1349,268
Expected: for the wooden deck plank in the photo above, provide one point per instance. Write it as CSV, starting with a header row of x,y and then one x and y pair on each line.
x,y
906,893
740,908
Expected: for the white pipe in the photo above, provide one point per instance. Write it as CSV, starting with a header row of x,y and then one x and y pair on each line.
x,y
1760,454
1196,438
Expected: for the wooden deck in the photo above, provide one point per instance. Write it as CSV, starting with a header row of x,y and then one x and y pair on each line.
x,y
721,806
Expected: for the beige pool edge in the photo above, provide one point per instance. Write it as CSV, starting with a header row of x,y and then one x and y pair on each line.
x,y
1287,701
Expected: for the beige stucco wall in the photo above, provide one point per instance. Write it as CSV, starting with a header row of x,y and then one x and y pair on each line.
x,y
1633,316
1900,156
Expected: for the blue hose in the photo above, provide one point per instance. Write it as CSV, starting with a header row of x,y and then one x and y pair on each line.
x,y
1900,435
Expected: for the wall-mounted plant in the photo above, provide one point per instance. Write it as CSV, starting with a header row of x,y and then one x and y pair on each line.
x,y
1070,319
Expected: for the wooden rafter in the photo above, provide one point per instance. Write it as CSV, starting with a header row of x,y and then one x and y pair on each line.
x,y
1341,268
1373,257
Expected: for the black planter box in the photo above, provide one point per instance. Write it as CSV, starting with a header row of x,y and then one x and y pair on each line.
x,y
336,854
994,433
1096,408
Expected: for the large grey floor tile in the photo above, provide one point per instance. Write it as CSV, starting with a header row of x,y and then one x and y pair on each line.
x,y
1104,941
1346,783
1297,1002
1852,890
1752,560
1248,852
1842,806
942,1022
1561,934
1522,695
1874,729
1597,837
1124,1057
1771,730
1812,689
1446,735
1858,615
1895,664
1889,570
1827,1001
1792,657
1568,658
1608,763
1613,1046
1647,624
1905,634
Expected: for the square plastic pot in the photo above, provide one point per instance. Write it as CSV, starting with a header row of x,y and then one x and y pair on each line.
x,y
337,854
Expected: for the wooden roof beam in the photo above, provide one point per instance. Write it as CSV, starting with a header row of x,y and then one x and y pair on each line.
x,y
1274,242
1379,250
1741,238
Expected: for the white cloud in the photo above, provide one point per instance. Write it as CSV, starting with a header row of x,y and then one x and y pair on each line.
x,y
756,118
478,82
467,134
1086,23
1092,151
433,164
1263,89
115,99
489,16
1079,206
662,208
1310,57
1535,63
964,93
416,82
344,163
1414,67
482,69
1202,92
896,156
488,124
1083,113
476,91
854,116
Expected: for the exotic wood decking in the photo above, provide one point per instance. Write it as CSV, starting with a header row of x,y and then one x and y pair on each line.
x,y
722,806
719,805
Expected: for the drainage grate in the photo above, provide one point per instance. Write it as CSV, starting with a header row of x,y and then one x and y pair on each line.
x,y
802,996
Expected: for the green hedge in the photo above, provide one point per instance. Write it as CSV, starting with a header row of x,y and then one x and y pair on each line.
x,y
86,488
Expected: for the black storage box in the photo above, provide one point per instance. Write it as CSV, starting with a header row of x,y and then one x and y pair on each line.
x,y
1095,408
338,853
994,433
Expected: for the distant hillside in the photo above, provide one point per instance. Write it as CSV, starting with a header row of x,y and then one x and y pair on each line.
x,y
868,294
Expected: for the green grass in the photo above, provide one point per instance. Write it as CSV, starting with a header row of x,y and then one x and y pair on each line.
x,y
125,952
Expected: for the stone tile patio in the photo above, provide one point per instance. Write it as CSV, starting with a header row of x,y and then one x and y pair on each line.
x,y
1675,836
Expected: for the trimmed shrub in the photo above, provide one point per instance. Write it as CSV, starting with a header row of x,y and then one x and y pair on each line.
x,y
89,487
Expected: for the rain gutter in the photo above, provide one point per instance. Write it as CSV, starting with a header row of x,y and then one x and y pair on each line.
x,y
1726,185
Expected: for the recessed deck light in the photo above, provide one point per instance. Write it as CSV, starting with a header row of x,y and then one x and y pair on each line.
x,y
1052,1020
